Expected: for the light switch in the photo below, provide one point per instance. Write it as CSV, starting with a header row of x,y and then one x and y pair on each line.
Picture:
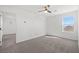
x,y
24,21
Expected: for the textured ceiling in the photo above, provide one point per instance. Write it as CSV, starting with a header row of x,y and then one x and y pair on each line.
x,y
36,8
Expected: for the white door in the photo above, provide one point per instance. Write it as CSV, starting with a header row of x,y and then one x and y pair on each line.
x,y
0,30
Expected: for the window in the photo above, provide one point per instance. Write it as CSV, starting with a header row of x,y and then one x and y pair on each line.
x,y
68,23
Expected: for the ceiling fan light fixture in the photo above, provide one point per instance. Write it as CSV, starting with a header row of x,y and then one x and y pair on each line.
x,y
45,11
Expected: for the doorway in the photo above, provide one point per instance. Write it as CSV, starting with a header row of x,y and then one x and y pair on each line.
x,y
9,30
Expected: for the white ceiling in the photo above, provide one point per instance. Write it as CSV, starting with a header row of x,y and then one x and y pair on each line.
x,y
36,8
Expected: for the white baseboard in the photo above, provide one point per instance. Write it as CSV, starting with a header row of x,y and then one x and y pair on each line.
x,y
58,37
10,34
30,38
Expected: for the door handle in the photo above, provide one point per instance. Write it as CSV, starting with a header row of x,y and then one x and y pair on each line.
x,y
0,28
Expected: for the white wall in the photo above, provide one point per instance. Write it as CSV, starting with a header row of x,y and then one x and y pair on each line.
x,y
9,24
35,26
54,26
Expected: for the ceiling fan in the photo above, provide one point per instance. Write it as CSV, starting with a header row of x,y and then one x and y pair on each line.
x,y
45,9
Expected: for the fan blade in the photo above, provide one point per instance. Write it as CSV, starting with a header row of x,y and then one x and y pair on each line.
x,y
41,10
49,11
48,5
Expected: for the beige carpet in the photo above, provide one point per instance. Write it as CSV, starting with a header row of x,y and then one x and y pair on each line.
x,y
9,40
42,44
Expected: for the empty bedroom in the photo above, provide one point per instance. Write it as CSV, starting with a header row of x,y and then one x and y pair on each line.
x,y
39,28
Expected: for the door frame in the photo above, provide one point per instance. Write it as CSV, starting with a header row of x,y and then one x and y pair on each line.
x,y
1,14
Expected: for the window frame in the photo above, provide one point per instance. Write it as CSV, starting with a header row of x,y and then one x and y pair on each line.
x,y
63,25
